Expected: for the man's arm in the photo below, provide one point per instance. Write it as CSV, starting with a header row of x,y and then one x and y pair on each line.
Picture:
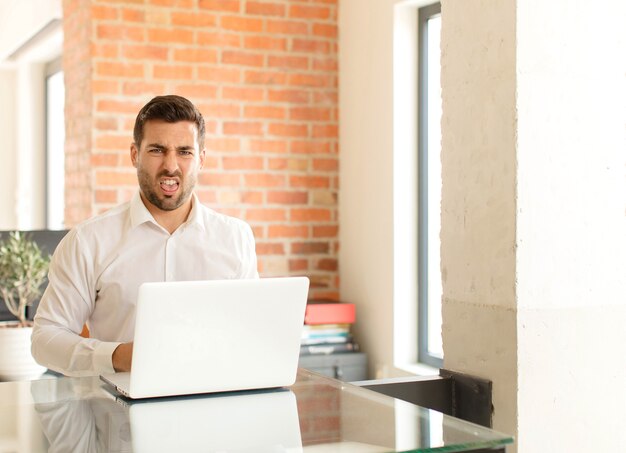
x,y
65,307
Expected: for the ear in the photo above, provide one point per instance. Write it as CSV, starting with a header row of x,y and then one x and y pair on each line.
x,y
134,153
202,156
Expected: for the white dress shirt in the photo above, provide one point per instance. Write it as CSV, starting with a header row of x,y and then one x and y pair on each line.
x,y
96,271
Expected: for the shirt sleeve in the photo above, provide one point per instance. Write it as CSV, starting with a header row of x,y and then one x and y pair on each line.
x,y
249,262
65,307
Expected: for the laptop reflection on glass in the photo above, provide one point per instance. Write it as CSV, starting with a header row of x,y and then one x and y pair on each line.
x,y
214,336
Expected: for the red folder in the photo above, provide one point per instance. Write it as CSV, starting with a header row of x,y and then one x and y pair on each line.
x,y
330,313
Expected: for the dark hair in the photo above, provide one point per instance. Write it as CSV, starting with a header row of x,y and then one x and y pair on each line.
x,y
169,108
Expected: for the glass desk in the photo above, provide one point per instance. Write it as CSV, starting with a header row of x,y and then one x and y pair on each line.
x,y
315,415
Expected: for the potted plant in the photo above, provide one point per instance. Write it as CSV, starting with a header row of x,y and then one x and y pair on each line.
x,y
23,269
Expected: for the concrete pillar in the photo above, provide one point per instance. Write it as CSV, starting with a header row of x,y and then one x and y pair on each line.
x,y
533,214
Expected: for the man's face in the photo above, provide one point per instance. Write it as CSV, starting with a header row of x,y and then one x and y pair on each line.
x,y
167,162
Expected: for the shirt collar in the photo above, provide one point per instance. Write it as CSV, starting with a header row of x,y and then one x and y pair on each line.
x,y
139,213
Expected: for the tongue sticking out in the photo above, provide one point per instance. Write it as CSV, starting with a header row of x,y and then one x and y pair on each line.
x,y
169,188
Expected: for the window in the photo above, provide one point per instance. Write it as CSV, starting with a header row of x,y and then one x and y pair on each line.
x,y
55,140
430,347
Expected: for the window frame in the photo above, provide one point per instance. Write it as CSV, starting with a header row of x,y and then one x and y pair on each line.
x,y
424,13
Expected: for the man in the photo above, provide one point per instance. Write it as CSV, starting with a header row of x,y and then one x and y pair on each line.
x,y
162,234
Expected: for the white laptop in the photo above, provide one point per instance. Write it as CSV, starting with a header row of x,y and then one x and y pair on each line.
x,y
214,336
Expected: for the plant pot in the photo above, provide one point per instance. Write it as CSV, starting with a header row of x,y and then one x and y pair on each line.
x,y
16,360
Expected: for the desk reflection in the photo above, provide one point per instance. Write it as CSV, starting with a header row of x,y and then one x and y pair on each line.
x,y
264,421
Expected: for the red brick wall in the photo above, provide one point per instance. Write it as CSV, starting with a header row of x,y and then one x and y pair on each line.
x,y
264,75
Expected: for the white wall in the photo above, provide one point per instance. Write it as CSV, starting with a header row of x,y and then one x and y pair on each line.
x,y
571,222
377,141
29,38
8,213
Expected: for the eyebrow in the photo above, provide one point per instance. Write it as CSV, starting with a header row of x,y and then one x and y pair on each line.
x,y
178,148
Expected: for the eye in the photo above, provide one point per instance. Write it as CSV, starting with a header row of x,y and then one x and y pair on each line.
x,y
184,152
155,150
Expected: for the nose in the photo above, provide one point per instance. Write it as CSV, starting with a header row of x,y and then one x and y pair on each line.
x,y
170,162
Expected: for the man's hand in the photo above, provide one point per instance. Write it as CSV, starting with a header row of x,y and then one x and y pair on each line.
x,y
123,357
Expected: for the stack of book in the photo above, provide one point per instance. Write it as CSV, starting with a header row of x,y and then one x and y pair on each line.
x,y
327,328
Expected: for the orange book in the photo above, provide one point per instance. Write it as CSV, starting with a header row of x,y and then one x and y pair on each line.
x,y
329,313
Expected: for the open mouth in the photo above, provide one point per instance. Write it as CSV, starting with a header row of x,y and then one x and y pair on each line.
x,y
169,186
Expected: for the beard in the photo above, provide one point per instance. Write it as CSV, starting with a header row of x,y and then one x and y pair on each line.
x,y
165,202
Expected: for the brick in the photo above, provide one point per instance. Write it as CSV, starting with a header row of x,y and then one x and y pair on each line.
x,y
268,146
181,72
287,231
325,231
238,23
291,96
105,50
120,32
106,196
310,45
326,97
265,78
194,19
309,12
325,30
327,264
105,87
310,80
328,130
309,248
220,5
219,74
145,52
242,128
290,62
296,265
309,181
289,198
287,27
325,64
265,215
220,110
242,163
158,17
133,15
252,197
326,165
141,88
265,8
115,178
254,111
324,197
310,113
222,144
101,12
106,105
243,94
197,90
122,70
196,55
103,160
210,178
218,39
229,197
270,248
288,130
310,147
170,36
264,180
265,43
310,215
113,142
105,124
288,164
242,58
